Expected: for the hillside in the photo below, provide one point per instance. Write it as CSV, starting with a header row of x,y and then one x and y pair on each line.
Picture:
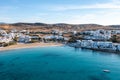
x,y
115,26
59,26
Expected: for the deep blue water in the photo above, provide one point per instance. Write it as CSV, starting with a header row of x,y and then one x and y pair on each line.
x,y
58,63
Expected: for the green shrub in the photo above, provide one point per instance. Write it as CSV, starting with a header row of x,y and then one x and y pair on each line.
x,y
115,39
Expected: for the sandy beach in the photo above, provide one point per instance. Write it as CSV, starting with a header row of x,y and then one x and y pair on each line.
x,y
30,45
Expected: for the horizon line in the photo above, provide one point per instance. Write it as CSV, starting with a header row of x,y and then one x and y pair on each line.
x,y
58,23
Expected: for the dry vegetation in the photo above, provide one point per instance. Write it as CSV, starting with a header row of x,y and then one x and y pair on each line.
x,y
62,27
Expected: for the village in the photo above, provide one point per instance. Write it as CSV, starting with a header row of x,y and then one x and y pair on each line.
x,y
103,40
25,36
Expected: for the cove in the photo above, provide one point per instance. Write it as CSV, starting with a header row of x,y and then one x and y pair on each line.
x,y
58,63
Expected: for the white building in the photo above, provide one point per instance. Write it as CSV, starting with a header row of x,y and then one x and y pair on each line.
x,y
97,35
24,38
5,39
99,45
3,32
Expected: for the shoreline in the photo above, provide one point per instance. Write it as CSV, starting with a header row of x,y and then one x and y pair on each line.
x,y
97,46
29,45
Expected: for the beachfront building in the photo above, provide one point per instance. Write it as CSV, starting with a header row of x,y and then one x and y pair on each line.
x,y
29,38
24,38
53,38
11,35
3,32
97,35
118,47
114,32
5,39
97,45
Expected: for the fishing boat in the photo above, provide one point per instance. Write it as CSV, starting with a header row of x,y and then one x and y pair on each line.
x,y
106,70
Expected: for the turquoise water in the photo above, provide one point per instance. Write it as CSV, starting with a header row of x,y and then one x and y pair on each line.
x,y
58,63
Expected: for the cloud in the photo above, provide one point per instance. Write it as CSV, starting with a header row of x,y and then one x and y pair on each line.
x,y
113,4
6,19
108,17
115,1
104,13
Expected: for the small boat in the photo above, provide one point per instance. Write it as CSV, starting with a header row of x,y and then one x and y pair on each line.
x,y
106,71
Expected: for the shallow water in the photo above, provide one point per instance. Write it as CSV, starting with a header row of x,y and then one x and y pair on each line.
x,y
58,63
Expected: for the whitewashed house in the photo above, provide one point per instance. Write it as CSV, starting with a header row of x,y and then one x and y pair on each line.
x,y
54,37
97,35
115,32
24,38
11,35
118,47
74,32
5,39
3,32
86,43
98,45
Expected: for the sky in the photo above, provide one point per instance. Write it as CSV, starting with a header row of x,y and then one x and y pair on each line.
x,y
104,12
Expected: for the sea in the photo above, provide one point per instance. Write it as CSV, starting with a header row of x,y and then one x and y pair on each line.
x,y
58,63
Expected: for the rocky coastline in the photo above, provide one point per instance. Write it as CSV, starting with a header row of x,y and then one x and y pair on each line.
x,y
97,45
